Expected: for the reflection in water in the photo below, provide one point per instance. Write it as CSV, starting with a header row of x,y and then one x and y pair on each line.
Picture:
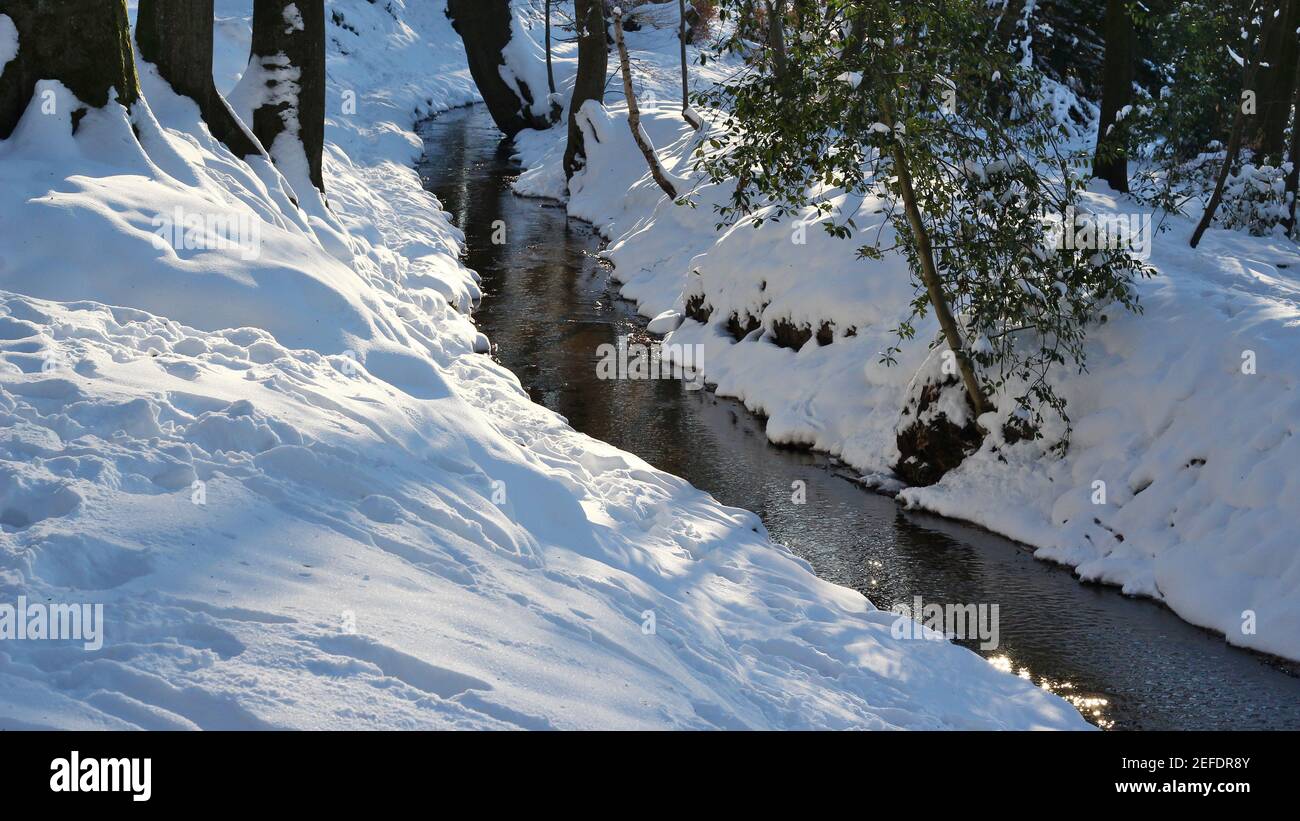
x,y
548,306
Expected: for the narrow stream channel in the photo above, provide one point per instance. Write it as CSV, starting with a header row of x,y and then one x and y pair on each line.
x,y
548,304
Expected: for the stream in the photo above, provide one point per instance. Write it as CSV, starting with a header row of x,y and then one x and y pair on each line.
x,y
549,303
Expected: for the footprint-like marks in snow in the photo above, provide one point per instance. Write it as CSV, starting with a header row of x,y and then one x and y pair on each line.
x,y
408,669
84,562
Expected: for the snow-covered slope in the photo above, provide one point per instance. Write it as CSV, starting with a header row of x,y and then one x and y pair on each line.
x,y
1187,416
302,498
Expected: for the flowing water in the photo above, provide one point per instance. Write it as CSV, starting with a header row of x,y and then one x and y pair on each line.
x,y
548,304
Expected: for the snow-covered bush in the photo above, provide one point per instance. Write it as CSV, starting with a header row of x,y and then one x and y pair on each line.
x,y
1255,199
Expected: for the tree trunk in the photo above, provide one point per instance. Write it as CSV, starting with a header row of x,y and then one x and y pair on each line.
x,y
1008,28
776,35
593,63
634,116
934,286
1276,80
1110,160
930,271
484,26
686,85
84,45
289,50
1293,154
1235,139
550,73
1229,160
176,36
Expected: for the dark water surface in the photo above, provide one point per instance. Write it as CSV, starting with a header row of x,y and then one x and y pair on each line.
x,y
548,305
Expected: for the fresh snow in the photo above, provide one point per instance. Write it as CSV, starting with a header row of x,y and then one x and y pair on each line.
x,y
304,499
1187,414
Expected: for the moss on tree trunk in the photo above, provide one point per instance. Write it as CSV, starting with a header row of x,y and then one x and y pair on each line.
x,y
84,45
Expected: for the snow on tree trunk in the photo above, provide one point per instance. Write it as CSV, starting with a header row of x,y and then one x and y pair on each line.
x,y
288,58
84,45
634,114
176,36
1110,161
589,84
485,27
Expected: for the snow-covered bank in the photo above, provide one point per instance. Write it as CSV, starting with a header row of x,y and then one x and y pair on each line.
x,y
1180,482
302,498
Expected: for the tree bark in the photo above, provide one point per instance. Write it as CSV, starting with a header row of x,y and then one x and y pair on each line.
x,y
1229,160
1009,20
776,35
484,26
593,64
550,73
1235,139
934,286
686,85
290,52
1293,154
1276,80
1110,160
930,271
176,36
84,45
634,116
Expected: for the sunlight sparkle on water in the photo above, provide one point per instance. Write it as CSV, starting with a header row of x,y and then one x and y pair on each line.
x,y
1092,708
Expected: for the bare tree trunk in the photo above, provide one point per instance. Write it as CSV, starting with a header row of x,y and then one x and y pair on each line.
x,y
1235,139
776,35
176,36
1277,74
687,115
934,287
289,51
930,272
1008,28
550,73
593,64
485,27
634,116
1110,160
1229,160
1293,154
84,45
